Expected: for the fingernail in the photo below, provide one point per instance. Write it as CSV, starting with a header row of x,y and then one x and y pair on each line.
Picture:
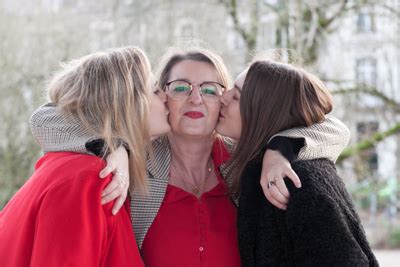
x,y
102,202
114,212
101,175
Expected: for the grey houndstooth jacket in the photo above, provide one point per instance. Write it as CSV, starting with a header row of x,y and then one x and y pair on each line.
x,y
62,132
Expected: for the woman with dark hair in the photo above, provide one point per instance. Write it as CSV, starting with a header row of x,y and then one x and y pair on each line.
x,y
320,226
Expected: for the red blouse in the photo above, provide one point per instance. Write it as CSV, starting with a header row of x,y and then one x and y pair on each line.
x,y
188,231
56,218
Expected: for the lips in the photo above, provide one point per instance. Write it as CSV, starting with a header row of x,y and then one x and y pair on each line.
x,y
194,114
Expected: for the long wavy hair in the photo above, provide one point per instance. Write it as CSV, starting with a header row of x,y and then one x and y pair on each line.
x,y
109,92
275,97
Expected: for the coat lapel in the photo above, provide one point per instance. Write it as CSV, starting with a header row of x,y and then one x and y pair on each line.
x,y
144,209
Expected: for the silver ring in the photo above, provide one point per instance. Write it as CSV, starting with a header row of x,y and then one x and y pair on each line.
x,y
270,183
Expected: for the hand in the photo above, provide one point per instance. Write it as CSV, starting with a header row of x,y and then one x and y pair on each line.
x,y
118,164
275,168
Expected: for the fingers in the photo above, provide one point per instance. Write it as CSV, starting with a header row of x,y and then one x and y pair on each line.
x,y
106,171
119,203
272,176
112,195
116,189
274,196
281,186
112,186
273,200
293,177
277,195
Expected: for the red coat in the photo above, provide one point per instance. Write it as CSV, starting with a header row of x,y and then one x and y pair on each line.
x,y
56,218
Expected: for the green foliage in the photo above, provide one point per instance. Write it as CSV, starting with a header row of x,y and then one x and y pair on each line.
x,y
384,191
368,143
394,238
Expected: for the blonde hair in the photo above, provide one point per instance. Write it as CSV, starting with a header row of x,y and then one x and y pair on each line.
x,y
175,55
109,92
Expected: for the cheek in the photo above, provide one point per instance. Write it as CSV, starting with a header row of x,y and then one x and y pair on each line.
x,y
213,112
234,110
173,108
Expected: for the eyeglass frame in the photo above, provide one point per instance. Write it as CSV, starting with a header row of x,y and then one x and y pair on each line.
x,y
191,87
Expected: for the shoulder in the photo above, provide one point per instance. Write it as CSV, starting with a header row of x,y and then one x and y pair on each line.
x,y
73,181
59,131
73,162
318,177
319,166
71,169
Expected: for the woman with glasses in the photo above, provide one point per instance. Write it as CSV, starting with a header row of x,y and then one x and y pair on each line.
x,y
188,218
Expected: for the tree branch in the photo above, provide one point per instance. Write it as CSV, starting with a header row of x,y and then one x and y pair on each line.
x,y
373,92
337,14
368,143
396,12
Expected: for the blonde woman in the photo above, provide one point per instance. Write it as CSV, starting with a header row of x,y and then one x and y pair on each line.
x,y
56,218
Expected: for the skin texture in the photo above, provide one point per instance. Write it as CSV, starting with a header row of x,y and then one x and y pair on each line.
x,y
181,124
230,122
158,119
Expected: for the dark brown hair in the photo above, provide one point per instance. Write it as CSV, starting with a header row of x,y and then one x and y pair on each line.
x,y
275,97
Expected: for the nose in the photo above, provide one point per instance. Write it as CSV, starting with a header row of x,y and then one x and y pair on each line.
x,y
195,96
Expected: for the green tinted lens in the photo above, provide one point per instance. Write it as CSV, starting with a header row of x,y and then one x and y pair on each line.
x,y
211,90
179,88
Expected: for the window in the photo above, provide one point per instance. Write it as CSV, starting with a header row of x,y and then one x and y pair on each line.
x,y
366,71
365,22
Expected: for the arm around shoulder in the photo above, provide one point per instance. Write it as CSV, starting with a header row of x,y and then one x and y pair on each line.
x,y
322,140
56,131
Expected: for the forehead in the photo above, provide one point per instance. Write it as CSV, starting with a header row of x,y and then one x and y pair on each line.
x,y
194,71
240,79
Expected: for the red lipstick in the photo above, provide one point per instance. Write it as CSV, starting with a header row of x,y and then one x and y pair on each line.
x,y
194,114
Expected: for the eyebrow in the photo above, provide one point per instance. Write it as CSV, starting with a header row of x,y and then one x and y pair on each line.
x,y
237,87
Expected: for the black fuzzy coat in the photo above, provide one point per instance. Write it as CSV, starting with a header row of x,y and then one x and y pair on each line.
x,y
319,228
